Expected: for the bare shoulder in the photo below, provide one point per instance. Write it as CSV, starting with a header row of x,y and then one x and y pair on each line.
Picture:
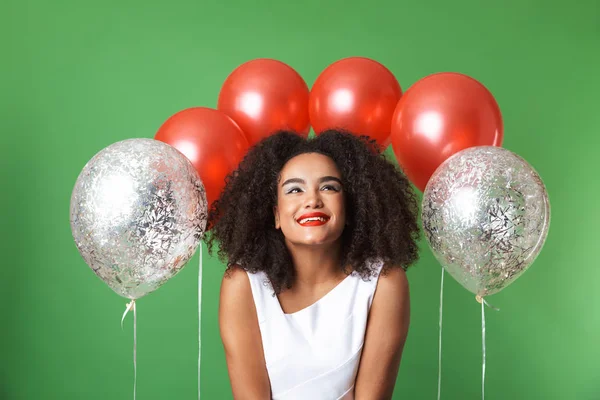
x,y
392,283
235,275
236,305
391,302
235,284
240,333
386,333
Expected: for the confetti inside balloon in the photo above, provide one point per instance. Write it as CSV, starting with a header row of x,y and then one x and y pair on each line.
x,y
138,212
486,216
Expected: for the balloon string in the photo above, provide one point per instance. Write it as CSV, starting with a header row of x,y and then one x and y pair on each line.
x,y
134,351
483,301
483,350
483,305
199,313
440,337
131,305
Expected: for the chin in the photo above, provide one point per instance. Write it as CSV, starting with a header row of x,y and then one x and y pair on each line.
x,y
314,241
317,238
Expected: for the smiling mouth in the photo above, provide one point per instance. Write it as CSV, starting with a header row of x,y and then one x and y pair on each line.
x,y
313,221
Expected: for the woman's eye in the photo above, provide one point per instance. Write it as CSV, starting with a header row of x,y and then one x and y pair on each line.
x,y
330,187
293,190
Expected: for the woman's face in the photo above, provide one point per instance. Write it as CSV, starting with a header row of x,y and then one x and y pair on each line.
x,y
310,201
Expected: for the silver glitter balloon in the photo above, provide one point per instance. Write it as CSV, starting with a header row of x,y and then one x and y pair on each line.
x,y
485,215
138,212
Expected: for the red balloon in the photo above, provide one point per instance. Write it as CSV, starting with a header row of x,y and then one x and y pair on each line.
x,y
264,96
439,116
356,94
210,140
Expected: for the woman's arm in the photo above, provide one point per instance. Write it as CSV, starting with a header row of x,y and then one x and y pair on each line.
x,y
241,338
387,329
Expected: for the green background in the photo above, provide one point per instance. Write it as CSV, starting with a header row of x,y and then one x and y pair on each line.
x,y
78,76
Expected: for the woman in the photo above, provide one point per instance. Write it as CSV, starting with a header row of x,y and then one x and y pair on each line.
x,y
317,234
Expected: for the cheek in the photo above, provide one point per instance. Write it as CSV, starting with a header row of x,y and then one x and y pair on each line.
x,y
340,208
342,219
286,209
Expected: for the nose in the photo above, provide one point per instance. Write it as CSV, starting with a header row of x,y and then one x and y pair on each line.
x,y
314,199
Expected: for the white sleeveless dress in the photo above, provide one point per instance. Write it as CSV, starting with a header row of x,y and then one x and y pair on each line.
x,y
313,354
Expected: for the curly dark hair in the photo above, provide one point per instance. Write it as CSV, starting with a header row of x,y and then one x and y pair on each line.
x,y
381,207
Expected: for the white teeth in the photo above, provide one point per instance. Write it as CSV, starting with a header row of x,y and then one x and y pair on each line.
x,y
305,220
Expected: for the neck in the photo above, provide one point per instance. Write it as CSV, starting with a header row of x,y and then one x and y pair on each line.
x,y
316,265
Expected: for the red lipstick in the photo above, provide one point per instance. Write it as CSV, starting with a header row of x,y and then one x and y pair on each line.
x,y
313,219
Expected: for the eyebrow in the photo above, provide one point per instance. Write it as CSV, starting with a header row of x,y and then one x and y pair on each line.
x,y
321,180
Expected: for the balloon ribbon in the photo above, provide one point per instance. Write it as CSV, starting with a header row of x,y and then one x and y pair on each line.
x,y
131,305
440,337
199,312
483,304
